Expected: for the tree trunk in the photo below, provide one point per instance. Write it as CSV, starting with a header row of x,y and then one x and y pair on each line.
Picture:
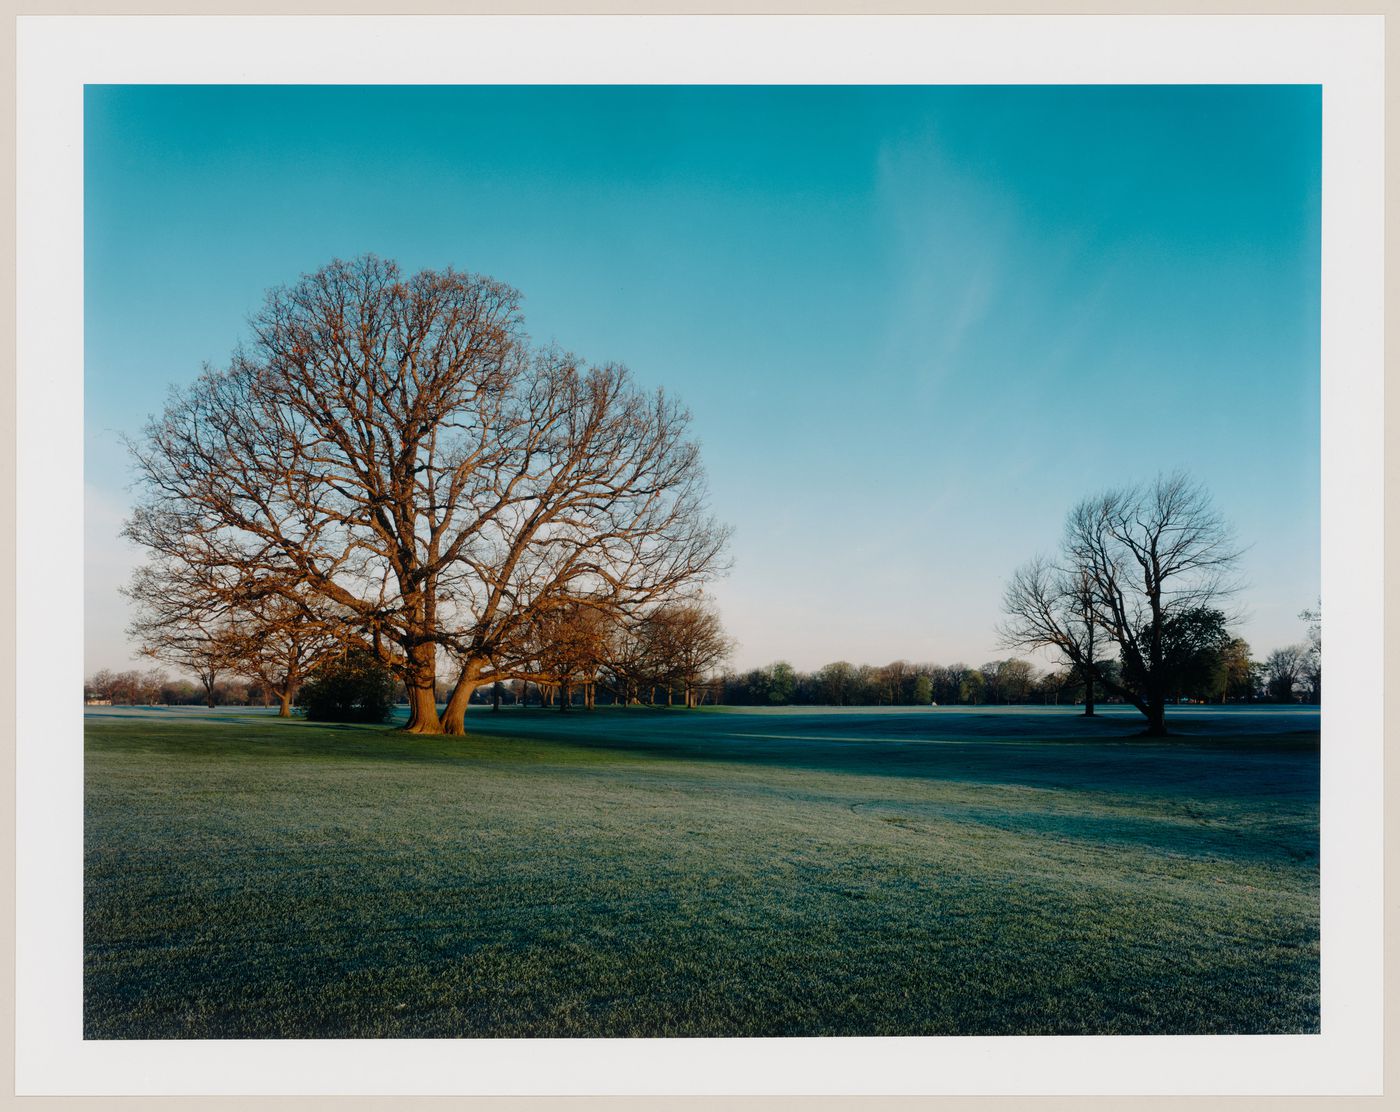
x,y
496,696
422,710
566,693
1088,696
420,682
284,708
1156,712
454,715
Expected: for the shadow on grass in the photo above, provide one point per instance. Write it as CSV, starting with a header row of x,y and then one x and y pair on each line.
x,y
1245,757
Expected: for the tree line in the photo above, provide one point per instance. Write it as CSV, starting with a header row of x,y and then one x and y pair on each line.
x,y
156,687
673,658
1290,675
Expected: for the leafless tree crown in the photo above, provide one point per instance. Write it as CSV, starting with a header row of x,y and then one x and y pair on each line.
x,y
391,449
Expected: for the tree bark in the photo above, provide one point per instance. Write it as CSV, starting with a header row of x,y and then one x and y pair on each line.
x,y
422,710
454,715
1088,696
421,682
284,707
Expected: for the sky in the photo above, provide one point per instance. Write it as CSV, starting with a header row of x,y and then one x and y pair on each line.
x,y
914,324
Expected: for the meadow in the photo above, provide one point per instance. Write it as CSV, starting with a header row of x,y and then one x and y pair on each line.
x,y
637,872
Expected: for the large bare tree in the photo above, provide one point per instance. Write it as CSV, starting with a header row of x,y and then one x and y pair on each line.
x,y
390,447
1135,565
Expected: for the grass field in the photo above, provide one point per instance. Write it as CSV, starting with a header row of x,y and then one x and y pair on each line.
x,y
928,871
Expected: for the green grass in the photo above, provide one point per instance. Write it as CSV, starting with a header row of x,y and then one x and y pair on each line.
x,y
633,873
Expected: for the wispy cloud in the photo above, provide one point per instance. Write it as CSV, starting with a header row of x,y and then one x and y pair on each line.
x,y
950,239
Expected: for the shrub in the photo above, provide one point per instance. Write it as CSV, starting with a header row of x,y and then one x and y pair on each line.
x,y
353,687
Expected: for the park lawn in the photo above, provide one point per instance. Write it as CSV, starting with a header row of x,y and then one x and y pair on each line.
x,y
637,873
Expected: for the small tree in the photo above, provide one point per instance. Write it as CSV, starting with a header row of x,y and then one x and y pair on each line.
x,y
279,640
152,683
699,643
1240,671
569,645
1285,670
353,687
99,685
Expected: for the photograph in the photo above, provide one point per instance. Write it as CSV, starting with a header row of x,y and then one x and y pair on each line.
x,y
618,561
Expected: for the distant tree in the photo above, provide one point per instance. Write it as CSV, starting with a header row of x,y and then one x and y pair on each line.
x,y
1132,561
973,689
947,682
152,683
278,638
353,686
1284,671
686,642
178,693
1007,681
99,685
621,659
1241,673
1051,687
570,642
1313,671
835,683
782,683
865,689
233,692
181,617
923,690
772,685
895,683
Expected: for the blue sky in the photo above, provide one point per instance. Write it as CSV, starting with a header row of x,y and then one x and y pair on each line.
x,y
914,324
